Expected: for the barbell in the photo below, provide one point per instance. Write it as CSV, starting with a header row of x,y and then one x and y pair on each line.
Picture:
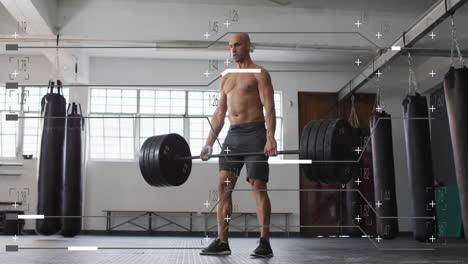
x,y
165,160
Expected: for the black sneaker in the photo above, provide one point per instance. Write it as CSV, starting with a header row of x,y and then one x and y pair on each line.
x,y
217,247
263,250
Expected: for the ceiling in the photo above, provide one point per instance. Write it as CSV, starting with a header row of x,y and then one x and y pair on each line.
x,y
344,5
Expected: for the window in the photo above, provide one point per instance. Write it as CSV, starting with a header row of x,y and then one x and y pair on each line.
x,y
122,119
10,102
112,123
161,112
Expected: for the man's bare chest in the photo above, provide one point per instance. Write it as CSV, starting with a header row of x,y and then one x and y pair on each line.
x,y
241,82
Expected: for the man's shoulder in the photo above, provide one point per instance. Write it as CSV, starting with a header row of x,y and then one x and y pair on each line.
x,y
262,69
263,74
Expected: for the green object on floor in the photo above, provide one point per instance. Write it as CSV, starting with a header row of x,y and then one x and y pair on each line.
x,y
449,219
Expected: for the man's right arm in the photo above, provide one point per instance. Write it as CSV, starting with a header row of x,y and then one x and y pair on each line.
x,y
217,121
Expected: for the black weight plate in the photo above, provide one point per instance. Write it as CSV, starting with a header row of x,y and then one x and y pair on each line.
x,y
184,166
320,150
328,168
348,153
148,159
342,150
143,163
173,172
303,143
142,157
159,179
304,146
313,170
152,176
155,176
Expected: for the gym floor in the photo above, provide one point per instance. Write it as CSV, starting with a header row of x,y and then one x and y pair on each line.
x,y
286,250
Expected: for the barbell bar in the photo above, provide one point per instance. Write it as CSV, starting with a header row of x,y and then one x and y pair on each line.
x,y
280,152
166,160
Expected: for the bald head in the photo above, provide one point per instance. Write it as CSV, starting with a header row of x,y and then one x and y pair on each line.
x,y
242,37
240,46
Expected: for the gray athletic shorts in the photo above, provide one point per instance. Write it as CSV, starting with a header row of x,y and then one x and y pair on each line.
x,y
247,137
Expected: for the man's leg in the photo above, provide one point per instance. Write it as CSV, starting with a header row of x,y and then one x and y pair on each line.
x,y
227,182
263,206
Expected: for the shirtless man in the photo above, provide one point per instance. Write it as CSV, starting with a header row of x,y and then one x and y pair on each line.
x,y
244,95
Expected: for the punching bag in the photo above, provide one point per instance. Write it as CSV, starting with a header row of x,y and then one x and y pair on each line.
x,y
420,173
384,175
50,167
72,174
456,96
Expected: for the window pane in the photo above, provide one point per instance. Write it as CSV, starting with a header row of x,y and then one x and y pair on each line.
x,y
113,100
202,103
112,137
162,102
158,126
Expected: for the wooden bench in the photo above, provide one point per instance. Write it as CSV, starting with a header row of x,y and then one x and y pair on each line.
x,y
246,215
149,215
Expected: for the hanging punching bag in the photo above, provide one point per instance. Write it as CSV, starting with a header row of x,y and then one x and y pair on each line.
x,y
420,173
456,96
384,175
72,183
51,161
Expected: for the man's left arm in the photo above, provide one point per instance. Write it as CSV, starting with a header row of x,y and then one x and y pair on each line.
x,y
265,89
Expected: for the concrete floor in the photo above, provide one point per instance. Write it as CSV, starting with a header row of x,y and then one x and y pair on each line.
x,y
125,249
